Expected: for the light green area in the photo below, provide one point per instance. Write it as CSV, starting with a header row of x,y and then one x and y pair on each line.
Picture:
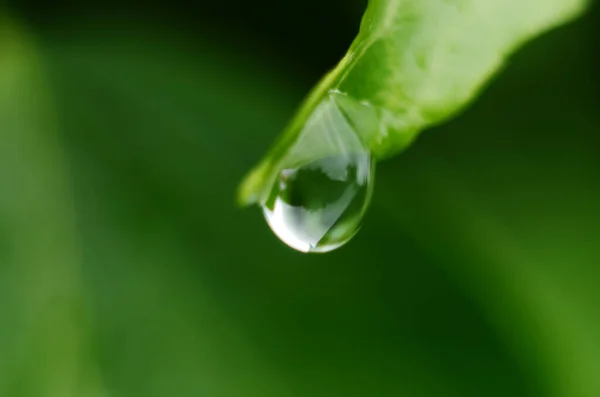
x,y
44,336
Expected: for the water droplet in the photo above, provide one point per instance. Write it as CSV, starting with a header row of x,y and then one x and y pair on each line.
x,y
319,207
322,190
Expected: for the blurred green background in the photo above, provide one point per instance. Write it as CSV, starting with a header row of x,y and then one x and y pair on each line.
x,y
127,270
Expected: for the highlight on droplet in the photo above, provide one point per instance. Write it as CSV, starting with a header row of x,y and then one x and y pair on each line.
x,y
323,188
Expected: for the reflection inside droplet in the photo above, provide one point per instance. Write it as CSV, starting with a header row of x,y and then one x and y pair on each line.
x,y
319,206
323,181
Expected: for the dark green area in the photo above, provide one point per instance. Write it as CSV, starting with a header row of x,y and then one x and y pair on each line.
x,y
126,269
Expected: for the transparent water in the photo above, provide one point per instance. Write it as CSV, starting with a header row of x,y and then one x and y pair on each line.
x,y
323,188
319,207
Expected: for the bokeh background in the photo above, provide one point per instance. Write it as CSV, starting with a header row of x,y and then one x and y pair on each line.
x,y
127,270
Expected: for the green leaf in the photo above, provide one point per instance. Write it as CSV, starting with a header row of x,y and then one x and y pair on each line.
x,y
511,207
476,274
184,293
414,64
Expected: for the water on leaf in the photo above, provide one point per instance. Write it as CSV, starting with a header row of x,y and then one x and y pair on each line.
x,y
319,207
322,190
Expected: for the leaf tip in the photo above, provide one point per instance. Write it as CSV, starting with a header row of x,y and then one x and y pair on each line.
x,y
251,187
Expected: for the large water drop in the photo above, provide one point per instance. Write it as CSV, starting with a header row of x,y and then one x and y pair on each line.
x,y
320,196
